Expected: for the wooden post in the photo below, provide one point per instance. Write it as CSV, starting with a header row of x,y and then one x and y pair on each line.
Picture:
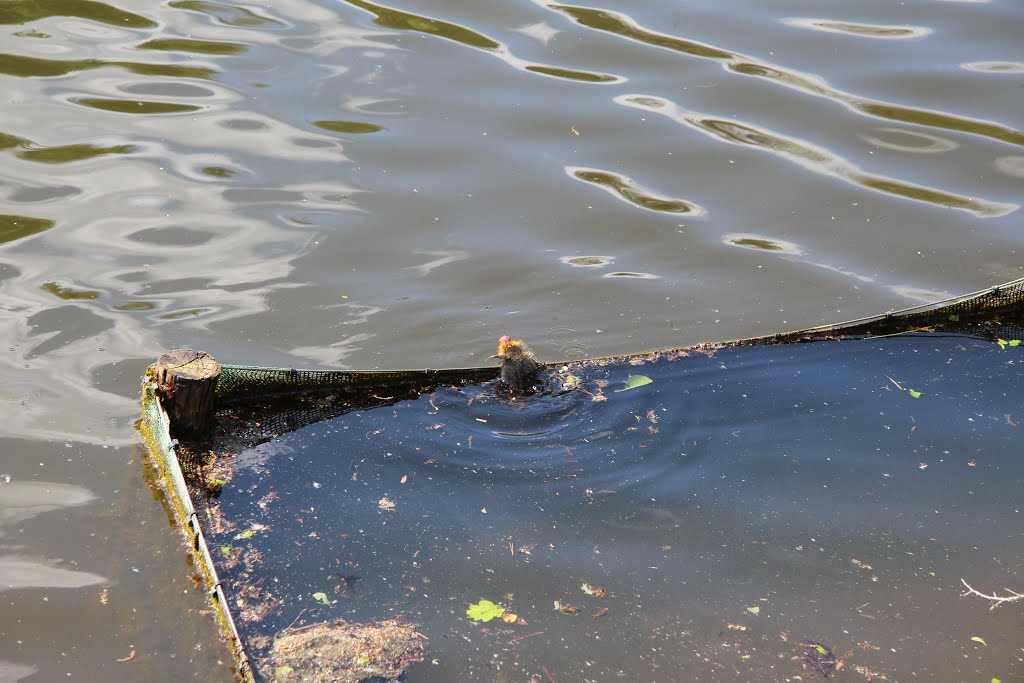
x,y
186,381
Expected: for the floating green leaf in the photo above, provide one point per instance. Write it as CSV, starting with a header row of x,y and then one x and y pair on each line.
x,y
754,610
225,550
979,639
914,393
321,597
821,649
485,610
634,381
1004,343
996,680
245,534
283,670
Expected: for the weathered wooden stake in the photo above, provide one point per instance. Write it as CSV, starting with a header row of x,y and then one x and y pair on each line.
x,y
186,381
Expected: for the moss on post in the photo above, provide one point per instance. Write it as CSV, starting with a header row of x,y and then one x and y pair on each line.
x,y
186,381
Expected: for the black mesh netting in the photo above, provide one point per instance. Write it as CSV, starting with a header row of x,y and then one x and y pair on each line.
x,y
257,404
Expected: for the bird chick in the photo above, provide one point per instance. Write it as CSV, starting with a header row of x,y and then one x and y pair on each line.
x,y
518,365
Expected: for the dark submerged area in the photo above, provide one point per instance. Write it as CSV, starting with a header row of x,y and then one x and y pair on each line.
x,y
710,514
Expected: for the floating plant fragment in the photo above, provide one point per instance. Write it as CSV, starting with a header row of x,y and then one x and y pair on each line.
x,y
566,609
634,381
819,657
485,610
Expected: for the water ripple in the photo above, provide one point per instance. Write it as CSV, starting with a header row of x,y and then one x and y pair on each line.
x,y
405,21
625,189
859,29
621,25
24,12
811,157
38,67
230,15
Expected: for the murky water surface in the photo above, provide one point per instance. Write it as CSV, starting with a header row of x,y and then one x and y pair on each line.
x,y
349,184
731,508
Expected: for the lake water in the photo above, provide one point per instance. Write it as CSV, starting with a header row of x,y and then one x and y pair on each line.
x,y
351,185
738,504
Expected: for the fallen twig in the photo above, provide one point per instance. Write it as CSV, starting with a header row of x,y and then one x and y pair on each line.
x,y
893,381
996,600
528,635
294,620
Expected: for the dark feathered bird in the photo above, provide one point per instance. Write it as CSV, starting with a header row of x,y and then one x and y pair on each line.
x,y
518,365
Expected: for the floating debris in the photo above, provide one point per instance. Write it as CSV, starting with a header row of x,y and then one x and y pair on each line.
x,y
485,610
819,657
344,652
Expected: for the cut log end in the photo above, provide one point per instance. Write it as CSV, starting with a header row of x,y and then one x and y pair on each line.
x,y
186,382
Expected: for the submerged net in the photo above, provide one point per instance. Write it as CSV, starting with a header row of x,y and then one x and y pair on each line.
x,y
255,404
997,312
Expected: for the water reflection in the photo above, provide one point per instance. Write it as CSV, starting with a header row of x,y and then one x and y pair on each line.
x,y
229,15
790,249
632,275
915,142
406,21
23,500
13,672
38,67
1011,165
995,67
810,156
18,572
587,261
860,29
625,27
762,243
17,227
65,154
624,188
25,12
201,47
135,106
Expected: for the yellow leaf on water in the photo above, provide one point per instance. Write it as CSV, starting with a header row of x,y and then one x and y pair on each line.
x,y
634,381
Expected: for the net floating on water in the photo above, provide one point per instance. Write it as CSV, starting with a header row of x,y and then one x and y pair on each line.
x,y
244,406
